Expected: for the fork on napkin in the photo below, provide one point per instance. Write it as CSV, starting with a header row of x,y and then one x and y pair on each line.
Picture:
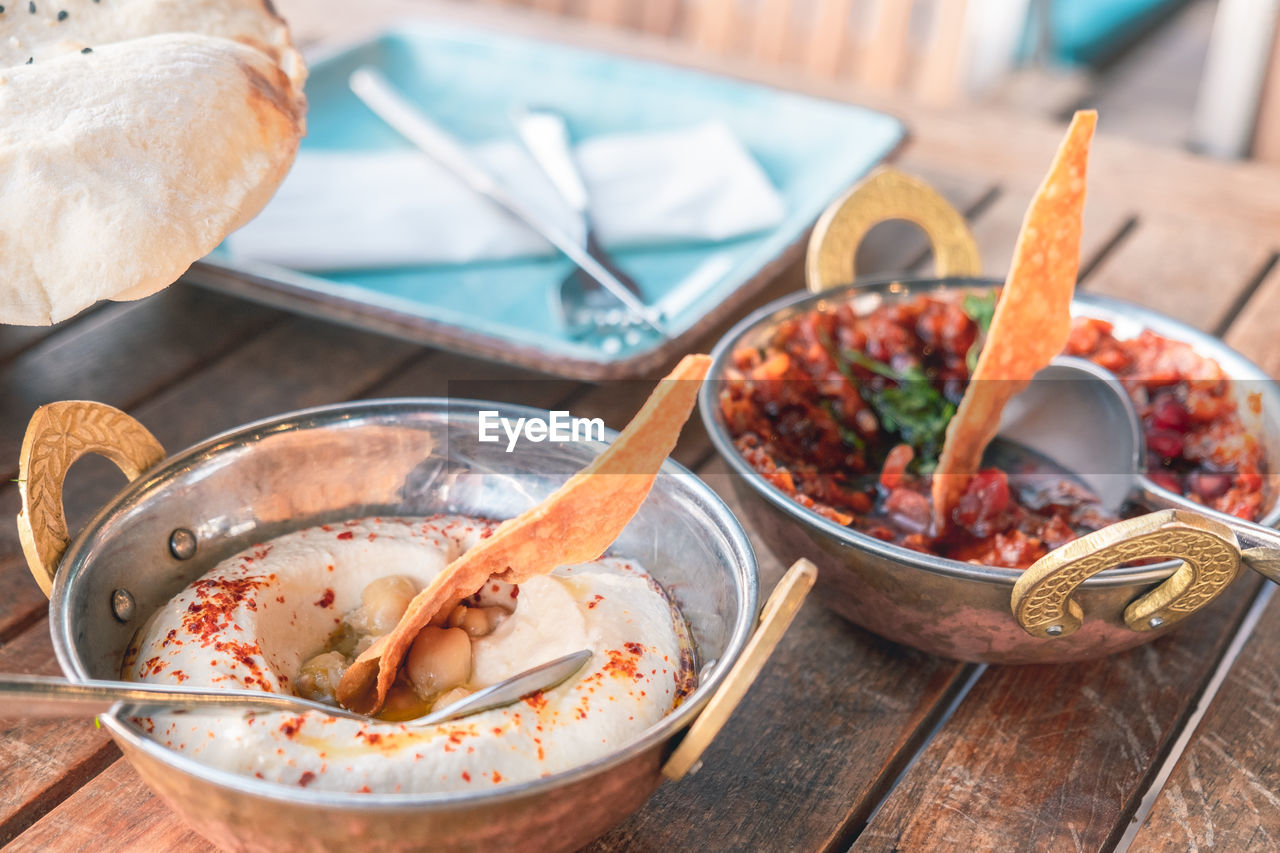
x,y
349,210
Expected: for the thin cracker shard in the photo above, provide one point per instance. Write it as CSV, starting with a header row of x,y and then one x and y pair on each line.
x,y
1031,321
575,524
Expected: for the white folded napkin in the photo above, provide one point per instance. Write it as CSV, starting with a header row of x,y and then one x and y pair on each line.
x,y
361,210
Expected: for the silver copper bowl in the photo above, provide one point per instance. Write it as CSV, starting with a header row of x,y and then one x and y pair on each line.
x,y
180,516
947,607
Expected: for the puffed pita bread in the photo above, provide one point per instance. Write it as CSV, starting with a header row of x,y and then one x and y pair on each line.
x,y
122,164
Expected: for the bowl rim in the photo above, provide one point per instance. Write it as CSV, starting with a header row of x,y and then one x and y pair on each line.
x,y
744,576
1096,305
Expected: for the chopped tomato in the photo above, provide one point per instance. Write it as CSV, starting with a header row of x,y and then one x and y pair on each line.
x,y
807,411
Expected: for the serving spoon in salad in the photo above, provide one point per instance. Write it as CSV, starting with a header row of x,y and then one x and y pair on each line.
x,y
1079,415
36,696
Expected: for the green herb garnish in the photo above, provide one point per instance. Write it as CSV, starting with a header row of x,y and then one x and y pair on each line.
x,y
912,409
980,307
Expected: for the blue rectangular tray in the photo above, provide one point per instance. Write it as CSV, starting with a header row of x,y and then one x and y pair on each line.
x,y
468,80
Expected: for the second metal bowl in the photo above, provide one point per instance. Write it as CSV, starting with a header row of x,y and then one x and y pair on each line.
x,y
955,609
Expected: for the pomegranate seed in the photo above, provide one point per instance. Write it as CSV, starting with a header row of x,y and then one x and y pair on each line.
x,y
1208,485
1168,413
986,496
1166,480
1165,443
910,509
895,466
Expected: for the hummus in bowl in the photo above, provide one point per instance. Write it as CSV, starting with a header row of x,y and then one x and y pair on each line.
x,y
272,617
384,459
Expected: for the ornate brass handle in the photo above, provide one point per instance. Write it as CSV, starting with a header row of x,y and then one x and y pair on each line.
x,y
58,435
1208,549
781,608
887,194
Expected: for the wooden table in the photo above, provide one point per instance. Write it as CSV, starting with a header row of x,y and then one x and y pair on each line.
x,y
847,740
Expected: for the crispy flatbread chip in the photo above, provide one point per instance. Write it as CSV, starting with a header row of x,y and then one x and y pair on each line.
x,y
575,524
1031,321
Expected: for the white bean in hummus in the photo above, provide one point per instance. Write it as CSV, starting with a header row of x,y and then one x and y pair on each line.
x,y
287,615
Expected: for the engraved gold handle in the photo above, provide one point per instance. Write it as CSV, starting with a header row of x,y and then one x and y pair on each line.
x,y
58,435
781,608
887,194
1208,549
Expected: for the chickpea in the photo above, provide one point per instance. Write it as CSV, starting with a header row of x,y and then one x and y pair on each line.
x,y
439,660
382,604
455,616
476,621
318,678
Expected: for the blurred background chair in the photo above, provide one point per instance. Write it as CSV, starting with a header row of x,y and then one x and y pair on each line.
x,y
1203,74
928,50
1238,108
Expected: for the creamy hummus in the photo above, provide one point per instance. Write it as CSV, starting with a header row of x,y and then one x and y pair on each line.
x,y
256,618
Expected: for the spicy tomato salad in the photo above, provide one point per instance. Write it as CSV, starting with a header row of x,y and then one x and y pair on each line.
x,y
846,414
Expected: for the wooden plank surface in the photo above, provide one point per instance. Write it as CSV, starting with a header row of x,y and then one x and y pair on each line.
x,y
117,798
1199,282
44,760
1057,755
296,363
1254,333
1224,792
97,358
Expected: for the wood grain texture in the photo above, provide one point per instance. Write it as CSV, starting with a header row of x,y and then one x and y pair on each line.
x,y
1224,792
997,230
117,799
829,46
98,358
1254,332
1056,757
43,760
445,374
296,364
660,17
1191,269
771,30
16,339
941,77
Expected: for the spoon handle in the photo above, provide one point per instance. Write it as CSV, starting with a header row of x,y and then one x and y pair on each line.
x,y
36,696
1259,546
542,677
